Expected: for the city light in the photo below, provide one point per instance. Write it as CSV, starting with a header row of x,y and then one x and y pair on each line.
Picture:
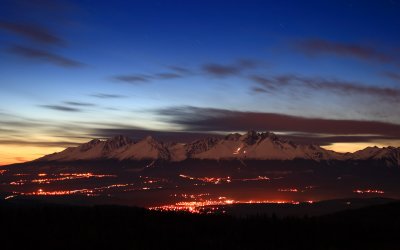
x,y
368,191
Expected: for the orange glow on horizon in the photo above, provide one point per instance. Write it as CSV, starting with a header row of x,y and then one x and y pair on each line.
x,y
352,146
10,154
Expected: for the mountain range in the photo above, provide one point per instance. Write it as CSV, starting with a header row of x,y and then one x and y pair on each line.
x,y
251,145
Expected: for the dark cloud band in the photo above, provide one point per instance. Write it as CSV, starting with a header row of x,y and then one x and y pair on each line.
x,y
209,119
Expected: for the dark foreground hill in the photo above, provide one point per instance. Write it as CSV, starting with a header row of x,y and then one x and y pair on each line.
x,y
114,227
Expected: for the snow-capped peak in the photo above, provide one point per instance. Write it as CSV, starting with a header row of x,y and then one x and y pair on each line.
x,y
251,145
117,142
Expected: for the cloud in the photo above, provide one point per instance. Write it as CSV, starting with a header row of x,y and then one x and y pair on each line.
x,y
210,119
176,72
142,78
180,70
167,76
247,63
276,83
33,32
80,104
259,90
61,108
45,56
324,47
107,96
132,78
39,143
220,70
392,75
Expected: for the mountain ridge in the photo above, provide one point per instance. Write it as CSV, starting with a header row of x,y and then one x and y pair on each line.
x,y
251,145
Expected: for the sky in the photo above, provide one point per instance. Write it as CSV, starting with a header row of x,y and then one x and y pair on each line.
x,y
322,72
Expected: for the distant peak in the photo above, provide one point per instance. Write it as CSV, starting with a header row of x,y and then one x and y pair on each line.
x,y
233,137
149,138
89,145
251,137
252,133
117,142
93,142
120,138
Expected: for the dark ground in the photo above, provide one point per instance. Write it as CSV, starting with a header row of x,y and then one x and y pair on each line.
x,y
41,226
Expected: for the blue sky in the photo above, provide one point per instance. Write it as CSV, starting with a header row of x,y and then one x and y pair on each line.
x,y
73,70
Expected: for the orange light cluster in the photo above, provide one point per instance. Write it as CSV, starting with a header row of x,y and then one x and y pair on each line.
x,y
2,171
215,180
142,188
87,191
294,190
219,180
62,177
190,196
199,206
87,175
368,191
17,183
41,192
258,178
193,206
152,180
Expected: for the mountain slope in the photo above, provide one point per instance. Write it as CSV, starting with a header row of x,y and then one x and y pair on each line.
x,y
252,145
119,147
390,155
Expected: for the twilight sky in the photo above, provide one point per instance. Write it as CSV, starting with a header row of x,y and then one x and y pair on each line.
x,y
325,72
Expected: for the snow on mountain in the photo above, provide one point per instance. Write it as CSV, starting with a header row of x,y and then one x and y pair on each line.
x,y
391,155
251,145
148,148
87,151
262,146
119,147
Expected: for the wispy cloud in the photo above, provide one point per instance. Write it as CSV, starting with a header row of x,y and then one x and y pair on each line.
x,y
276,83
107,96
221,70
39,143
392,75
80,104
143,78
168,75
325,47
133,79
61,108
175,72
224,70
180,70
33,32
45,56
